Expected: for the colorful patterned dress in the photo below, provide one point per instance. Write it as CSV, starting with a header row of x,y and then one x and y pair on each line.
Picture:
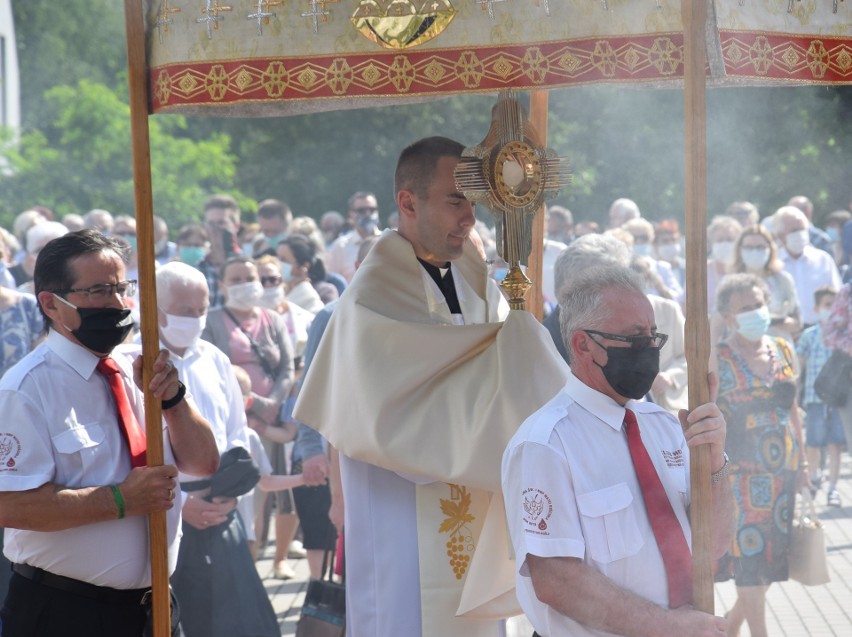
x,y
764,462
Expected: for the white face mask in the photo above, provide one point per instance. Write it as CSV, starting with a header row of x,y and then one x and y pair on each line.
x,y
823,314
668,251
244,296
286,271
723,251
755,258
796,242
183,331
272,297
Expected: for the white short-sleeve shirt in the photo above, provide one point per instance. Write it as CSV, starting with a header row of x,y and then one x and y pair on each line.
x,y
60,425
571,491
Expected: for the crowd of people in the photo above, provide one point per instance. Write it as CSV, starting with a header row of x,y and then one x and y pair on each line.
x,y
311,362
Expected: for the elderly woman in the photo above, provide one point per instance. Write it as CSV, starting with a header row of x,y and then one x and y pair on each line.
x,y
757,395
256,339
722,234
756,253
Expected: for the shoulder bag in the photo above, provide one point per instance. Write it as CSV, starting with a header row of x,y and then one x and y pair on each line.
x,y
807,559
832,384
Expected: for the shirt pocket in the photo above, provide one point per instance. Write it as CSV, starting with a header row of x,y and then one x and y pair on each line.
x,y
609,520
78,450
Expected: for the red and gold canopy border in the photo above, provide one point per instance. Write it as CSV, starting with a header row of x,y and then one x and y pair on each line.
x,y
392,74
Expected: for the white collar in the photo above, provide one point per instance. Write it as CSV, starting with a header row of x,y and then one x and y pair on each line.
x,y
74,355
596,403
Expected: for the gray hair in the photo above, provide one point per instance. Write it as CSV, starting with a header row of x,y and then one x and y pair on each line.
x,y
783,214
723,222
588,251
581,303
176,273
735,283
638,225
39,234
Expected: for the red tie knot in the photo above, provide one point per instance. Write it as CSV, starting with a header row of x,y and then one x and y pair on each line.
x,y
108,366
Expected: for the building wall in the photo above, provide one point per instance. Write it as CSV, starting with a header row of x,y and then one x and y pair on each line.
x,y
10,96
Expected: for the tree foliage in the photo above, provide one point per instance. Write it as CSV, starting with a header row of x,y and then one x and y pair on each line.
x,y
764,144
82,159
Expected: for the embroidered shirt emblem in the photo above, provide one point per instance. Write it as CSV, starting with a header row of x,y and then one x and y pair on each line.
x,y
538,507
10,449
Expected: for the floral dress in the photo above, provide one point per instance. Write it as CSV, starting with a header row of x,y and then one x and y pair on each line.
x,y
764,461
20,327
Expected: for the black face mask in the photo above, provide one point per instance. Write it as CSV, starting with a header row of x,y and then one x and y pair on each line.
x,y
631,372
101,328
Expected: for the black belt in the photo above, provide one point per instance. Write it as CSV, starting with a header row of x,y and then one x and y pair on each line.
x,y
82,589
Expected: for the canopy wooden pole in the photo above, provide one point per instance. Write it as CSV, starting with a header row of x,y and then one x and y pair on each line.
x,y
694,13
138,86
538,119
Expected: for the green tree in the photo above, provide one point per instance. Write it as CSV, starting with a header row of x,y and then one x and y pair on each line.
x,y
65,42
82,160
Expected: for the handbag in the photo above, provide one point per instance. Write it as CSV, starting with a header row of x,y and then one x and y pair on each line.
x,y
324,609
807,559
832,382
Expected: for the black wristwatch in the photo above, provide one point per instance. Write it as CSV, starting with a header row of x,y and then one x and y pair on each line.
x,y
174,400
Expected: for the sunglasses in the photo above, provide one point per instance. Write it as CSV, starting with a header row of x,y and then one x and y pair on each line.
x,y
636,342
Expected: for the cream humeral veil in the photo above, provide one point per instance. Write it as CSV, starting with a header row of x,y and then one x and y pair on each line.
x,y
395,385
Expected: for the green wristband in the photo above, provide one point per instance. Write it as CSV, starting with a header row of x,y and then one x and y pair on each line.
x,y
119,501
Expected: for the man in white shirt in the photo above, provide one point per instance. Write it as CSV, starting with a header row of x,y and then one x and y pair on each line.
x,y
364,219
589,562
810,267
73,492
216,583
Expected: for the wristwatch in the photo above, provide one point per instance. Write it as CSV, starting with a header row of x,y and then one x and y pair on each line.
x,y
722,473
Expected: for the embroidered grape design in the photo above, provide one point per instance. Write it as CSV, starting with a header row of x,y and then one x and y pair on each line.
x,y
457,548
460,545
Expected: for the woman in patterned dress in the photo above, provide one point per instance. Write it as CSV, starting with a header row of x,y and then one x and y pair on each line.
x,y
757,394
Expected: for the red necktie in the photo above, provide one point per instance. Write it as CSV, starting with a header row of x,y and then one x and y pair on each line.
x,y
667,530
133,433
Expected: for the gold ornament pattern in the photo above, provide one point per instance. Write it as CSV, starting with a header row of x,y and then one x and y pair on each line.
x,y
778,57
400,24
460,544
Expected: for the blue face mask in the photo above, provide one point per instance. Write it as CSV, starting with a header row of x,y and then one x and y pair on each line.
x,y
286,271
500,274
833,234
192,255
642,249
131,239
752,325
275,239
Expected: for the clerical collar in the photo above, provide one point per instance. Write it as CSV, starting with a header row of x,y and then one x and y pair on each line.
x,y
445,283
435,271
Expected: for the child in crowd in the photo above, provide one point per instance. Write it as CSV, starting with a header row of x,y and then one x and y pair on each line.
x,y
824,430
268,481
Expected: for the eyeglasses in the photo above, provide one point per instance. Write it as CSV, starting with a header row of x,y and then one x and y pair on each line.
x,y
267,281
636,342
104,290
365,210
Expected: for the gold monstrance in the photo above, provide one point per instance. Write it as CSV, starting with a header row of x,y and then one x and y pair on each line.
x,y
512,174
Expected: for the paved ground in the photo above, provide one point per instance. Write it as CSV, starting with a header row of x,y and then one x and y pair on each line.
x,y
793,610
